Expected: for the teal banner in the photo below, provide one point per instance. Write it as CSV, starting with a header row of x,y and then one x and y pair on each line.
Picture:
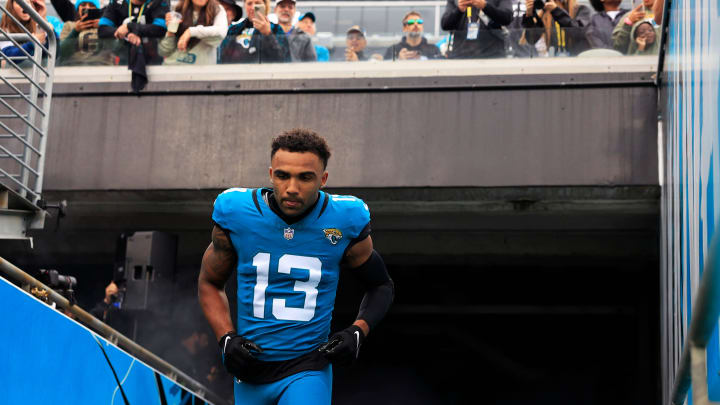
x,y
48,358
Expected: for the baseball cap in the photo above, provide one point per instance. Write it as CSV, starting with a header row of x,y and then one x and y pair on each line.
x,y
276,2
306,15
356,28
236,7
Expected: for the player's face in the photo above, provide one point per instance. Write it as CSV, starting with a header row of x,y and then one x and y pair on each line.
x,y
296,179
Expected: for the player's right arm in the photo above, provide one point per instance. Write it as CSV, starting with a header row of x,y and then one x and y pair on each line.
x,y
217,265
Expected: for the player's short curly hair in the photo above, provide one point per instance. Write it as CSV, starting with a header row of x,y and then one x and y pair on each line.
x,y
302,140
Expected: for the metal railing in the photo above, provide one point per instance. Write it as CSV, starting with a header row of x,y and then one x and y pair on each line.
x,y
25,94
102,329
705,313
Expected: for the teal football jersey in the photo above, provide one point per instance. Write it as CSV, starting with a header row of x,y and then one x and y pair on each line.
x,y
287,274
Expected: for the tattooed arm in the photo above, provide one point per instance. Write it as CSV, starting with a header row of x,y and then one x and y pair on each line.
x,y
217,265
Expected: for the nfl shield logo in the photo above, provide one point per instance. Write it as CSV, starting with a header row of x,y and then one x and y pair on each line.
x,y
289,233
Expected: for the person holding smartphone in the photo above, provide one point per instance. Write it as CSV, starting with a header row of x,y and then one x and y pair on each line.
x,y
638,33
413,44
12,51
255,39
609,15
79,41
560,23
476,27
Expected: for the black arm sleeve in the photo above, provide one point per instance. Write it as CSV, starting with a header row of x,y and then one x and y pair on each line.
x,y
146,30
499,11
379,290
65,9
451,17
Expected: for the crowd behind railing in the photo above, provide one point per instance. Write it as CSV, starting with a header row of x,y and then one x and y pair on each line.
x,y
203,32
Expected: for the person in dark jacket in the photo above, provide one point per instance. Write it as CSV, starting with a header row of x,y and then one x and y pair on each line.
x,y
301,47
135,22
599,30
562,23
255,39
413,45
477,27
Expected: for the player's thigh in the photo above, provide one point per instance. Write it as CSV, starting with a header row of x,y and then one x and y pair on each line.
x,y
256,394
310,388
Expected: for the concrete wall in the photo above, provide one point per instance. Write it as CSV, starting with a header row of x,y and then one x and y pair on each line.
x,y
562,126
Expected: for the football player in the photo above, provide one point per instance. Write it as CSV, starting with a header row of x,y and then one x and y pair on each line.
x,y
288,244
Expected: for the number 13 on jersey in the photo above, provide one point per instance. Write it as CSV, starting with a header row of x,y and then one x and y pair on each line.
x,y
287,262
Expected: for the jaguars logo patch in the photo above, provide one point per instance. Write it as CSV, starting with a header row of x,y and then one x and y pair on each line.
x,y
333,235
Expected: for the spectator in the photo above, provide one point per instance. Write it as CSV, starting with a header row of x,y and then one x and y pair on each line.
x,y
8,25
65,10
599,30
255,39
639,38
356,44
79,41
518,45
477,27
202,29
413,45
131,22
109,309
232,10
561,24
301,47
306,22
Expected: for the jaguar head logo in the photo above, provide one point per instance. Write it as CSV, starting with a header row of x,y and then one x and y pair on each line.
x,y
333,235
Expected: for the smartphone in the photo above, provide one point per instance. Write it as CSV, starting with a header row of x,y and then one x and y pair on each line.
x,y
93,14
259,9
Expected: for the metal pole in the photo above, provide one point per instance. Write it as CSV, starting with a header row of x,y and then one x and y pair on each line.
x,y
27,156
112,335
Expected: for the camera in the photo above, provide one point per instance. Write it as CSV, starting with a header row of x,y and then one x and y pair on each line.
x,y
64,285
539,5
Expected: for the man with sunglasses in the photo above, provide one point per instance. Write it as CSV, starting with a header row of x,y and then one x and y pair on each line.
x,y
413,45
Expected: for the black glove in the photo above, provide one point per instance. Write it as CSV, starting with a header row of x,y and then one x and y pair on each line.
x,y
237,353
343,347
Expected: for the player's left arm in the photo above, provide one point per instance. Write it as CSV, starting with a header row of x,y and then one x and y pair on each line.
x,y
343,347
368,266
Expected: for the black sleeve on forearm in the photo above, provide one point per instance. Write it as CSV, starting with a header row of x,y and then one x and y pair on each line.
x,y
146,30
106,31
379,290
499,11
65,9
451,17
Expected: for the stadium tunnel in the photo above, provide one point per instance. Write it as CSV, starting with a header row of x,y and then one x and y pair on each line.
x,y
526,266
503,295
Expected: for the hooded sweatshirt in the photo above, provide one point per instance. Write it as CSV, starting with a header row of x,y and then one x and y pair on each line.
x,y
624,39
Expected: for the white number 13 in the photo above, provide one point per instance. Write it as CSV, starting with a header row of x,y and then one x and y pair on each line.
x,y
313,265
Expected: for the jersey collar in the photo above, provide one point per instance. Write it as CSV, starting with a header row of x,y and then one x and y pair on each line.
x,y
310,213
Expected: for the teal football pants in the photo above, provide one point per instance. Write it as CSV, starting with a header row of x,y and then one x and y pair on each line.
x,y
303,388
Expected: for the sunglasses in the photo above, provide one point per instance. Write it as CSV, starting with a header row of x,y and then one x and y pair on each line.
x,y
414,21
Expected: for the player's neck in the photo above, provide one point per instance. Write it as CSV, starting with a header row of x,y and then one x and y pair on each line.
x,y
275,207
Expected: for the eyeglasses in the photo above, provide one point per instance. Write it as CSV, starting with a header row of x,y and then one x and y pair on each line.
x,y
414,21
